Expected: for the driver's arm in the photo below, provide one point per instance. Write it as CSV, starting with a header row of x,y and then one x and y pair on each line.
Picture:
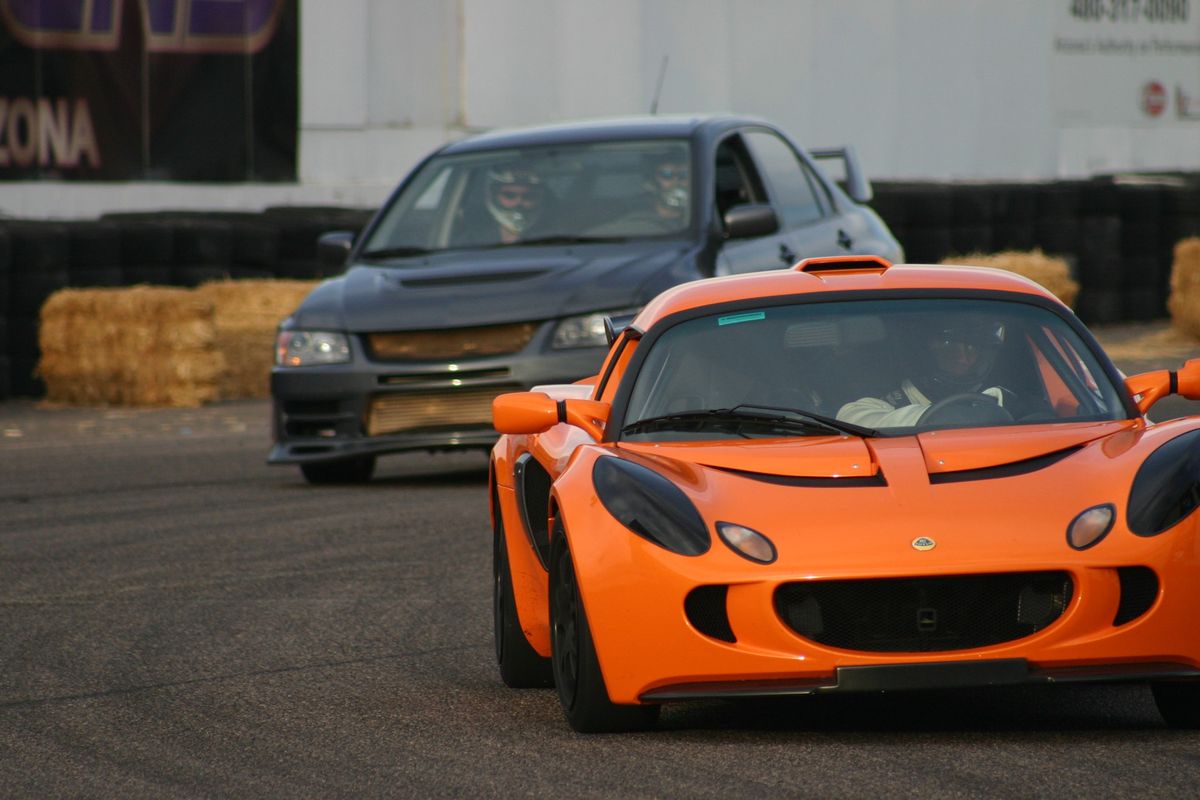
x,y
871,412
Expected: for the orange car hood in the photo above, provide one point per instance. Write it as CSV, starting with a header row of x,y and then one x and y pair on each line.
x,y
811,457
848,456
977,448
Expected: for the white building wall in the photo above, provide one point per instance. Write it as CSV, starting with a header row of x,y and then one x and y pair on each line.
x,y
924,89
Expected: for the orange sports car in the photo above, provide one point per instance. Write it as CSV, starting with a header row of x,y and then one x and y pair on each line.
x,y
848,476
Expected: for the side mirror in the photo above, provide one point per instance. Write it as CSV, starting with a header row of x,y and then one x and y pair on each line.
x,y
750,220
334,247
538,412
1148,388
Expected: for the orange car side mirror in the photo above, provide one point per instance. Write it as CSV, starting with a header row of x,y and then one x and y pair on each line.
x,y
1148,388
538,412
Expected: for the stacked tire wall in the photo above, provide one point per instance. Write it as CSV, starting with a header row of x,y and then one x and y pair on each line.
x,y
1116,232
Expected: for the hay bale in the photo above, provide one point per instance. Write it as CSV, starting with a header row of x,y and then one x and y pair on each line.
x,y
139,346
1184,301
1054,274
247,313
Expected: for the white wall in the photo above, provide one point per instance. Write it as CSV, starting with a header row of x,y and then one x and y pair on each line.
x,y
925,89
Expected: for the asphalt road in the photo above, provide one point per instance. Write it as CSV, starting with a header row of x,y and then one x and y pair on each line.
x,y
179,620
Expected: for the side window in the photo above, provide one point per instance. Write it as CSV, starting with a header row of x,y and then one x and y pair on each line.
x,y
735,180
794,190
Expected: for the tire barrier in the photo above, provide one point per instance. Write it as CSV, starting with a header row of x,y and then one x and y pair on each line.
x,y
1116,233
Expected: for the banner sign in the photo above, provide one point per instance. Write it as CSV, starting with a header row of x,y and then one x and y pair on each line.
x,y
173,90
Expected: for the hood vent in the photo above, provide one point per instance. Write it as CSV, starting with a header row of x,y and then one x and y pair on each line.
x,y
481,277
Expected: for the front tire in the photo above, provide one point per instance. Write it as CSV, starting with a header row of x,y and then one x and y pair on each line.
x,y
1179,703
577,675
351,470
520,665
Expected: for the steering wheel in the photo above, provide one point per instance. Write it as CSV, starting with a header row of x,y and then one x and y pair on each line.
x,y
969,408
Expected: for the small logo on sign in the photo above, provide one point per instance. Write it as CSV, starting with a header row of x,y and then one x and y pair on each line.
x,y
1154,99
923,543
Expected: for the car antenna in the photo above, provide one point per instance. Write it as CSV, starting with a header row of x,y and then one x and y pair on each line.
x,y
662,73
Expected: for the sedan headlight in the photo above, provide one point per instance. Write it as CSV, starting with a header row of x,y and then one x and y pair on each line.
x,y
584,331
306,348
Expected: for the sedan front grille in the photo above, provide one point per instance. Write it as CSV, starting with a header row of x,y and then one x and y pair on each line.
x,y
456,408
489,340
930,614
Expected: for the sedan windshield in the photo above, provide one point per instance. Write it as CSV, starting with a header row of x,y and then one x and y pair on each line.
x,y
608,191
870,367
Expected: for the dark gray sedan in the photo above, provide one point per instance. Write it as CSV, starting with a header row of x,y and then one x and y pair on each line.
x,y
493,265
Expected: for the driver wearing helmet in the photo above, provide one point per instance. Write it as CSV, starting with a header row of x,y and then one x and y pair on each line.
x,y
514,199
664,206
960,355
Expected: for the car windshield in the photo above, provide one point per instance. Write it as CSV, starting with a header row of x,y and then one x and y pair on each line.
x,y
868,367
607,191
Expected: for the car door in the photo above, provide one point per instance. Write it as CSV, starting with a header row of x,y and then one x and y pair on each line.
x,y
810,224
736,181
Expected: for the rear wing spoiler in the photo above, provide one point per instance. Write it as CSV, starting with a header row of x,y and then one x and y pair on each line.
x,y
855,180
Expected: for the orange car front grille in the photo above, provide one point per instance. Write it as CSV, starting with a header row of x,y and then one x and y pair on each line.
x,y
395,413
490,340
927,614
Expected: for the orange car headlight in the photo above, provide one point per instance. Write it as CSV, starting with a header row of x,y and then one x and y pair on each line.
x,y
650,505
1090,526
747,542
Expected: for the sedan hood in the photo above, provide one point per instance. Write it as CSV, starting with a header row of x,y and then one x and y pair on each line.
x,y
466,288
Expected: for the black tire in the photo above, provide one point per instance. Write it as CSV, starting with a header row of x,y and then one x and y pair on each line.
x,y
1179,703
520,665
577,675
351,470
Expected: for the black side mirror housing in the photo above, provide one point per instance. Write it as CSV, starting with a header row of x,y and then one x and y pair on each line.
x,y
334,247
750,220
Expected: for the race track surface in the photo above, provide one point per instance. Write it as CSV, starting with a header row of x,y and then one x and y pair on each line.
x,y
177,619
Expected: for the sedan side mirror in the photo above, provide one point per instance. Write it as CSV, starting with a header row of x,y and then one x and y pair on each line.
x,y
1148,388
750,220
334,247
538,412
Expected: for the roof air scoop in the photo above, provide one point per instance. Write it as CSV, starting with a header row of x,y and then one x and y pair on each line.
x,y
843,264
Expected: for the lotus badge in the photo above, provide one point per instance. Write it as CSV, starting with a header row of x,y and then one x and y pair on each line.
x,y
923,543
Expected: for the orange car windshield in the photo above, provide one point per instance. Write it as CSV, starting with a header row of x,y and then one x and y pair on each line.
x,y
871,367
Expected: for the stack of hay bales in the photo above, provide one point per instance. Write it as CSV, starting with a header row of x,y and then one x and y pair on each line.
x,y
1052,273
1184,302
163,346
246,314
141,346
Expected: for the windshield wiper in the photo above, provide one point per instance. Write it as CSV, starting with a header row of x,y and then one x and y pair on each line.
x,y
394,252
829,423
792,418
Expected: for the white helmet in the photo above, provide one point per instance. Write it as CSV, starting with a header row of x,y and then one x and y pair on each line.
x,y
514,197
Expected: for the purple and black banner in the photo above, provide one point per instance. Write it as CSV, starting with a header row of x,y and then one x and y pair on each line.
x,y
173,90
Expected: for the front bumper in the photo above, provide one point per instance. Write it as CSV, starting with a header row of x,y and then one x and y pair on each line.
x,y
651,650
369,407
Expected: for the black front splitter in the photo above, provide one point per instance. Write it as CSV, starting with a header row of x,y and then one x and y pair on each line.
x,y
910,677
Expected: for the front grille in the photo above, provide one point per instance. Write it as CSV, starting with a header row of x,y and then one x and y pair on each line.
x,y
394,413
489,340
924,614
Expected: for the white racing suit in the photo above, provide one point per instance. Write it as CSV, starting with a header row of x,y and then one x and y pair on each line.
x,y
901,408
